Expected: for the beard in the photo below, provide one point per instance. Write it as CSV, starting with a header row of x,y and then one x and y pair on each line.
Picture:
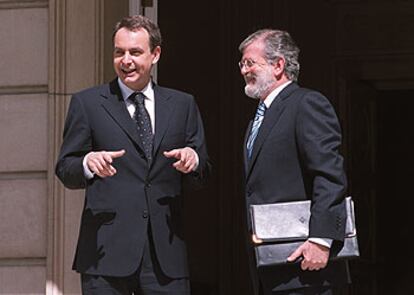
x,y
259,85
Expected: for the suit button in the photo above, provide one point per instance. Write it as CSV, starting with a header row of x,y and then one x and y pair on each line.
x,y
147,185
145,214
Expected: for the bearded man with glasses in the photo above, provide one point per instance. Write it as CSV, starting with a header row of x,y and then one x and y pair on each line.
x,y
291,153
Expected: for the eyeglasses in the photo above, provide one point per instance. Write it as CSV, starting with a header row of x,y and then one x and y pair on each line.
x,y
248,64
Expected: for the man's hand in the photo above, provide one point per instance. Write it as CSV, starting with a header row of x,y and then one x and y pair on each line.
x,y
187,159
100,162
315,256
256,240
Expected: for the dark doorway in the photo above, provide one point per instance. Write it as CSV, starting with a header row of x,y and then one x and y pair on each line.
x,y
380,172
353,46
395,162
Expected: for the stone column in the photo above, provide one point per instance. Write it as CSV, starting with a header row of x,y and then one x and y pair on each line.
x,y
78,36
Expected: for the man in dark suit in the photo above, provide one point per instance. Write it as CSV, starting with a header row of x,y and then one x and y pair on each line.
x,y
130,144
291,154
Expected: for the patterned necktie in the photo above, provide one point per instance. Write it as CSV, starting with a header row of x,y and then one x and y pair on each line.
x,y
143,122
258,118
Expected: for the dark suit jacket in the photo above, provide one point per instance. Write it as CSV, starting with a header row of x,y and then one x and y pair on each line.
x,y
119,209
295,157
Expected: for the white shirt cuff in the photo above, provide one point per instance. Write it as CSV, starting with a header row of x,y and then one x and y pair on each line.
x,y
324,242
88,173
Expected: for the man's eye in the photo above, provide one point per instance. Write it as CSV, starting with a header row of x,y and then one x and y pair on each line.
x,y
135,53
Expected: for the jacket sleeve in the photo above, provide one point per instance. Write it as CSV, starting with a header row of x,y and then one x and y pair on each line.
x,y
196,140
76,144
319,137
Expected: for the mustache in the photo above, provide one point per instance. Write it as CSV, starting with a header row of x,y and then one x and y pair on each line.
x,y
249,77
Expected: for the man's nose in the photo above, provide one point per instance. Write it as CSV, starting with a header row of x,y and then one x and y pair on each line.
x,y
244,70
126,58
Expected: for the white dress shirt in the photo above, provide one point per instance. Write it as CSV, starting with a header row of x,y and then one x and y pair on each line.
x,y
149,101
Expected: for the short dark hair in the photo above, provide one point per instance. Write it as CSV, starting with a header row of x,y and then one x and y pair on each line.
x,y
136,22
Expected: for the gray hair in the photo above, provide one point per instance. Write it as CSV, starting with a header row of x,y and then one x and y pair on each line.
x,y
277,44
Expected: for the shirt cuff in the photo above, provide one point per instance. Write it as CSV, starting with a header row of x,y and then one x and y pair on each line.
x,y
324,242
88,173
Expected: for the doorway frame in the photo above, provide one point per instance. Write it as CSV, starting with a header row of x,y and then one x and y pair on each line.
x,y
379,72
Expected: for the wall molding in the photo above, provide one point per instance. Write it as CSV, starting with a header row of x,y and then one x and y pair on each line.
x,y
23,89
57,84
23,4
17,175
24,262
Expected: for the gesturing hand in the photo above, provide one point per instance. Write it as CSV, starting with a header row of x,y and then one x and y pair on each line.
x,y
100,163
187,159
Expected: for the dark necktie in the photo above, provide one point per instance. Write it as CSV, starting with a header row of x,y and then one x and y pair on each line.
x,y
143,122
258,118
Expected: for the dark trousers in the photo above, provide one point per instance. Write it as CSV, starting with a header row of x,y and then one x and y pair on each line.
x,y
305,291
268,280
266,284
147,280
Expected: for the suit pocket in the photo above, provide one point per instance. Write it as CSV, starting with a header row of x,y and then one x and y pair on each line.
x,y
99,217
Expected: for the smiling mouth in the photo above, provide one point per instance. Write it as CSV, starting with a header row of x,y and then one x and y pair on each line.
x,y
250,79
127,71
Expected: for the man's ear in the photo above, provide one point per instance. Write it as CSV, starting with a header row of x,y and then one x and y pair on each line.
x,y
157,54
279,67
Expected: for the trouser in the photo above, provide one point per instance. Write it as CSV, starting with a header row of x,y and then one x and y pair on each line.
x,y
147,280
304,291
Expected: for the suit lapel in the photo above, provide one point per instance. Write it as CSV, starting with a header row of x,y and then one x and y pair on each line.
x,y
163,109
271,118
114,104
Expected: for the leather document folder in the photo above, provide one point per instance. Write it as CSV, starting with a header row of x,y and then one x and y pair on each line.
x,y
285,226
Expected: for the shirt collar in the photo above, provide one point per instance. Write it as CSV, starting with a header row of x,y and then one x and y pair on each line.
x,y
148,90
271,97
